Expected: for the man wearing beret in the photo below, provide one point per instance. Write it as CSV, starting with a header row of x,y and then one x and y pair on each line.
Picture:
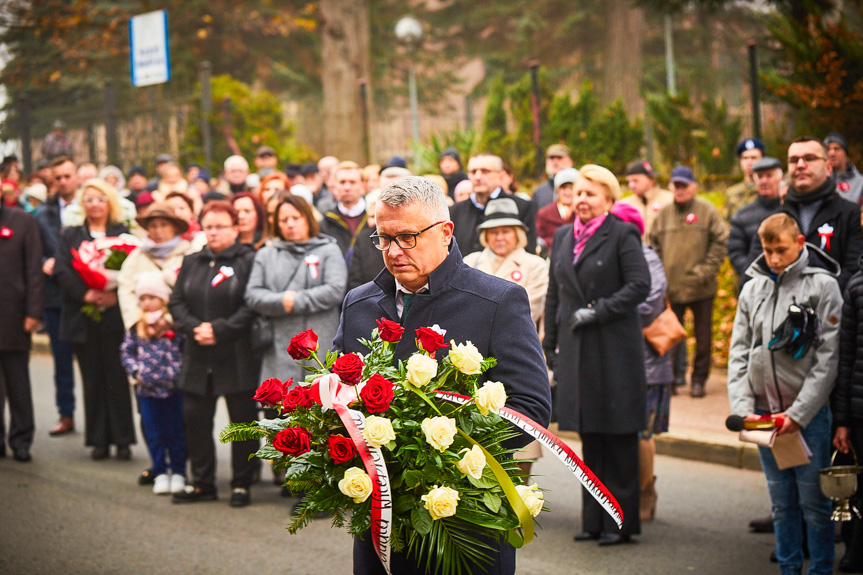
x,y
749,151
849,182
427,283
743,244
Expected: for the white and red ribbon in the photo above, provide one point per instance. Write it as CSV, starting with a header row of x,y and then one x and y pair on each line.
x,y
826,232
563,452
330,393
334,395
312,261
225,272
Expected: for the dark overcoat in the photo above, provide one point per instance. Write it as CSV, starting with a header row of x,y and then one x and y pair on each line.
x,y
73,322
491,313
230,362
48,218
602,387
22,289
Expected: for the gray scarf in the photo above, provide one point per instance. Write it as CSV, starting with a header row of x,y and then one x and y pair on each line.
x,y
160,251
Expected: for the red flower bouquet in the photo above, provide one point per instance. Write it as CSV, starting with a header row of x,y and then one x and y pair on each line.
x,y
98,263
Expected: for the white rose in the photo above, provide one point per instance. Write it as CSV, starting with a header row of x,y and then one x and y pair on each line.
x,y
466,358
441,502
490,397
473,462
356,484
532,498
378,431
421,369
439,431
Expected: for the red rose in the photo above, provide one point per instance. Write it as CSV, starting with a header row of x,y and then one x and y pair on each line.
x,y
429,340
293,441
271,392
389,330
349,368
297,397
303,345
341,448
377,394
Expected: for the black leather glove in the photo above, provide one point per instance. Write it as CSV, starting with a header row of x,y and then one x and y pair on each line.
x,y
582,317
551,359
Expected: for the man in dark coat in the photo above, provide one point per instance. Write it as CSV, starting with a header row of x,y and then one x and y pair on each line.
x,y
347,221
21,302
430,284
485,175
826,220
743,245
557,157
49,218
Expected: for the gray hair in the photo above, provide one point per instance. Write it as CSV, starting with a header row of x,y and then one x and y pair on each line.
x,y
498,162
416,189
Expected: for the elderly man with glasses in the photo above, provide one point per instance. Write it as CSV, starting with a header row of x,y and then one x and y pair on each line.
x,y
426,283
827,221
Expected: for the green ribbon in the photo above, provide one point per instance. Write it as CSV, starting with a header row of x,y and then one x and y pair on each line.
x,y
515,500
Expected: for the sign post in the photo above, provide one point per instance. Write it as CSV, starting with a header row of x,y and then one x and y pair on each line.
x,y
150,58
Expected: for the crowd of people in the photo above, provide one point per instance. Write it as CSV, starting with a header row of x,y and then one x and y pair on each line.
x,y
220,271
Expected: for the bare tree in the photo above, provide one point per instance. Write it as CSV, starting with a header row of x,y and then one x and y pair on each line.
x,y
622,60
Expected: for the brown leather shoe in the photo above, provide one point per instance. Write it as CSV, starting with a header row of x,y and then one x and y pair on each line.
x,y
64,425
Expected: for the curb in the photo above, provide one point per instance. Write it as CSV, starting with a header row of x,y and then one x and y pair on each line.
x,y
697,446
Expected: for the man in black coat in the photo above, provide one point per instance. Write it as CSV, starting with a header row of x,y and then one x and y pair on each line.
x,y
347,221
743,245
48,216
430,284
484,171
21,302
824,217
557,157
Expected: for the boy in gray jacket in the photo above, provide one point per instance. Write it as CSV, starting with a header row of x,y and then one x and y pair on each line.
x,y
793,383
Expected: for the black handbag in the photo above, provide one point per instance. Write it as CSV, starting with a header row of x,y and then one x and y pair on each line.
x,y
262,334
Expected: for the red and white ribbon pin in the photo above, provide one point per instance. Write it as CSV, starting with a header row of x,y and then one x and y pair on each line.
x,y
312,261
225,272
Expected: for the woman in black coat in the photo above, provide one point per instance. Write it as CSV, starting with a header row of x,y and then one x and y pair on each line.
x,y
847,406
207,306
597,278
107,398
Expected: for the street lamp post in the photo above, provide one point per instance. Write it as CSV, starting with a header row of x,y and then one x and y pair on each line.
x,y
409,32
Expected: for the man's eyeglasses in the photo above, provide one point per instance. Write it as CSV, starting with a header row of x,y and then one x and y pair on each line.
x,y
807,159
404,241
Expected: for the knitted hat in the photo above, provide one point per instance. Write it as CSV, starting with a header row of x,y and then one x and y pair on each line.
x,y
152,283
37,190
397,162
837,138
629,214
452,153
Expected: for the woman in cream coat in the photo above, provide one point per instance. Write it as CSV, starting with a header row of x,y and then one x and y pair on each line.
x,y
504,237
163,250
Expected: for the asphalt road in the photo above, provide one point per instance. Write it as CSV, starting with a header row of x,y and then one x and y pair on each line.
x,y
66,514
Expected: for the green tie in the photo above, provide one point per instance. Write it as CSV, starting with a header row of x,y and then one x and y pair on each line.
x,y
407,301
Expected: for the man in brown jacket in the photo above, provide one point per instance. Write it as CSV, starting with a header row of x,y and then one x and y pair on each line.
x,y
689,236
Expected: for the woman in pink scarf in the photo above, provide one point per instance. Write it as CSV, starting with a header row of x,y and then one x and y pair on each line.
x,y
597,278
